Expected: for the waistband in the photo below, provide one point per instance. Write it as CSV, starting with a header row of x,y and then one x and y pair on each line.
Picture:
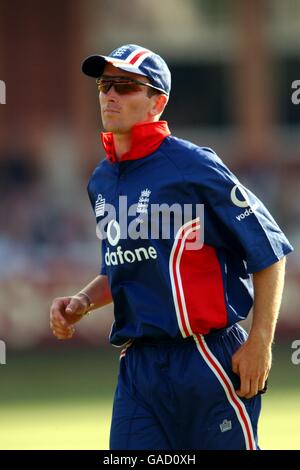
x,y
155,341
145,341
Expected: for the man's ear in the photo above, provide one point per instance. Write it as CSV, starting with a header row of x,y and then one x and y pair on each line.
x,y
159,104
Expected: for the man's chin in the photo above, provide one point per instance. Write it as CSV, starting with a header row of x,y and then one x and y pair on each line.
x,y
115,129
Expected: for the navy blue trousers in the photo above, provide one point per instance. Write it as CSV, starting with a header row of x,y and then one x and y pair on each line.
x,y
180,395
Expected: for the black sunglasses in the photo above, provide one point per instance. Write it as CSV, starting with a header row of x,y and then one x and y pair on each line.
x,y
122,85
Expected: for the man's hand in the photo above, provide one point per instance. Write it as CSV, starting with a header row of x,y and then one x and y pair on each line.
x,y
252,362
64,312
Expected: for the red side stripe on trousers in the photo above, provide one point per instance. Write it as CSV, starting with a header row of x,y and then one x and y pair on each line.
x,y
227,385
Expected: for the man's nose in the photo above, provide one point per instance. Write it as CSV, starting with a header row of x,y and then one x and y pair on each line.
x,y
109,97
111,93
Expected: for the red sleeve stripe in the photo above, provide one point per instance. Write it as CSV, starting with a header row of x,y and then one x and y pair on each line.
x,y
174,270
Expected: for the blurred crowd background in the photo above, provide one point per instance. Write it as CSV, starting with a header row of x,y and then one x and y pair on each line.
x,y
233,63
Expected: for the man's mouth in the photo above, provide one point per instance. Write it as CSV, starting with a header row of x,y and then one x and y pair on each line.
x,y
111,110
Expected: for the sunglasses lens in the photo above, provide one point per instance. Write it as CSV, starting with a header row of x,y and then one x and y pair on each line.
x,y
126,88
104,86
122,87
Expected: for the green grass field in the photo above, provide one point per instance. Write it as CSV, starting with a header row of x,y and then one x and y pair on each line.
x,y
63,400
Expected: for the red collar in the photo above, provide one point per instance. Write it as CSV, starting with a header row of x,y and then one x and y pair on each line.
x,y
146,138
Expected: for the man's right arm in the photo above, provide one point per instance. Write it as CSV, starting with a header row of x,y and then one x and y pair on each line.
x,y
65,311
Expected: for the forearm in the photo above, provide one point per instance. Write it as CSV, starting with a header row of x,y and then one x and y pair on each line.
x,y
252,361
268,288
98,292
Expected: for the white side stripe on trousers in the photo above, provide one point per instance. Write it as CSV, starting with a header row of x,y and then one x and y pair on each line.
x,y
227,385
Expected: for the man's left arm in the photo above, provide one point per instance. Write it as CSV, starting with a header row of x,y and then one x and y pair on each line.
x,y
252,361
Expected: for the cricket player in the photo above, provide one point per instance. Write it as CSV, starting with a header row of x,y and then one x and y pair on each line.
x,y
190,377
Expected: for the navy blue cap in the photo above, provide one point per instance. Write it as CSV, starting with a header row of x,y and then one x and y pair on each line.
x,y
135,59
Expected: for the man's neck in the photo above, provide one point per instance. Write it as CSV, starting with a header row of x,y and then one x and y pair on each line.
x,y
143,139
122,144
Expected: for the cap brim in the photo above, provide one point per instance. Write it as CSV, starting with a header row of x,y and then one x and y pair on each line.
x,y
94,65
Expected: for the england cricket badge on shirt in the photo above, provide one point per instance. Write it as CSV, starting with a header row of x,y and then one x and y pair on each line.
x,y
100,206
142,207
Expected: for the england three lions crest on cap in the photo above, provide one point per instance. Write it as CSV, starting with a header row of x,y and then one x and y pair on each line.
x,y
100,206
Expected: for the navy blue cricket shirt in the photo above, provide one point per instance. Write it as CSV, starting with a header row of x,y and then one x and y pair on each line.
x,y
160,286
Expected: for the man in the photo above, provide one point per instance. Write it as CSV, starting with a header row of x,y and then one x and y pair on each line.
x,y
189,376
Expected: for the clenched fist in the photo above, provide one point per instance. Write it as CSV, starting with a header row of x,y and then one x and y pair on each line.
x,y
64,312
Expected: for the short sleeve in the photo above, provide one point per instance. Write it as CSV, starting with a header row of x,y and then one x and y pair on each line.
x,y
242,221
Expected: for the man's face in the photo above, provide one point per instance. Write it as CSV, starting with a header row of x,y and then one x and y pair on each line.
x,y
120,112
